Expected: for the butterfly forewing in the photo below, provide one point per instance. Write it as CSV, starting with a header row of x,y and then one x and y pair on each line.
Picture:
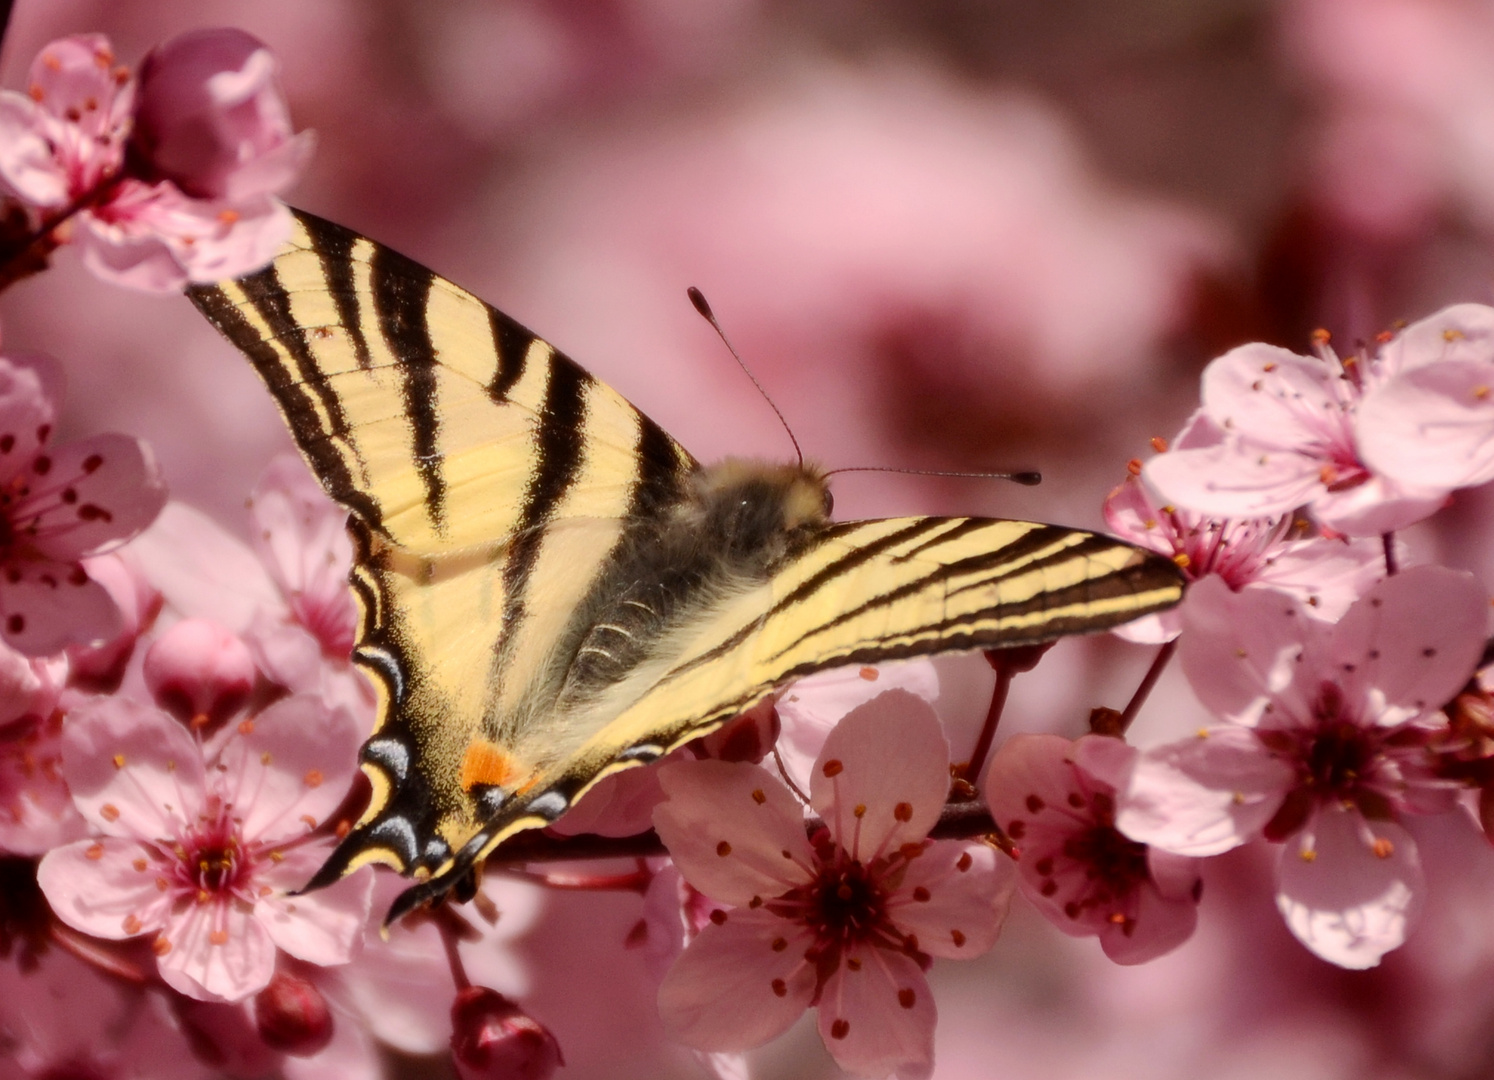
x,y
541,600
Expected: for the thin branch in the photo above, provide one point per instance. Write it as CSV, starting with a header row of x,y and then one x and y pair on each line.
x,y
1149,680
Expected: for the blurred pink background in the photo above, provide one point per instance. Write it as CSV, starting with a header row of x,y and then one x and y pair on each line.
x,y
943,234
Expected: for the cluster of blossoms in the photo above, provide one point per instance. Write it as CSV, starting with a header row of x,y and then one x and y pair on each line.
x,y
179,716
160,178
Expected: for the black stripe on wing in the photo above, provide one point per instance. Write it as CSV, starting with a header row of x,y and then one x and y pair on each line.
x,y
290,390
401,290
333,247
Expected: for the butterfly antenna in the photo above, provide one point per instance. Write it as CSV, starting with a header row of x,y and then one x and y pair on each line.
x,y
1026,479
698,299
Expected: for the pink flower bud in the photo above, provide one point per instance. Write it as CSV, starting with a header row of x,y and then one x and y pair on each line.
x,y
212,118
293,1016
199,672
494,1039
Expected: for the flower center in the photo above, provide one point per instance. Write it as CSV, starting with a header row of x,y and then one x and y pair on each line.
x,y
211,859
1114,863
846,903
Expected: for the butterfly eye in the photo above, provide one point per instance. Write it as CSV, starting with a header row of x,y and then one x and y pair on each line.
x,y
829,503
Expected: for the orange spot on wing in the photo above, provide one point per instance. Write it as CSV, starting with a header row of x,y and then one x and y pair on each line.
x,y
487,763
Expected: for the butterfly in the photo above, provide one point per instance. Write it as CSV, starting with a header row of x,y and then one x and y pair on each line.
x,y
552,589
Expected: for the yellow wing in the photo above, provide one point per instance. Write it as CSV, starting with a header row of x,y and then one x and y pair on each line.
x,y
436,419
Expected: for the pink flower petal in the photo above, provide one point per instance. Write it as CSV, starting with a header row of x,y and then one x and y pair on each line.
x,y
811,707
1456,334
1243,652
893,775
733,829
1378,505
97,491
323,927
1161,925
1349,888
722,993
133,770
203,571
105,887
966,898
1275,397
1204,795
48,606
218,952
28,166
1224,482
879,1018
1432,425
1326,575
292,768
30,391
1412,642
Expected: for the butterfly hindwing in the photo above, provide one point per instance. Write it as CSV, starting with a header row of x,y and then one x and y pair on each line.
x,y
552,589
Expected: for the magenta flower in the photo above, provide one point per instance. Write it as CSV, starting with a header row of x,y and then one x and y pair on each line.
x,y
847,921
1289,437
212,119
58,506
1056,801
1326,743
1433,423
198,850
1325,574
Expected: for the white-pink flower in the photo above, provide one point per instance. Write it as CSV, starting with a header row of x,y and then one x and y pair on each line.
x,y
1291,433
1056,801
1433,422
66,134
1326,742
846,921
198,850
1268,552
58,506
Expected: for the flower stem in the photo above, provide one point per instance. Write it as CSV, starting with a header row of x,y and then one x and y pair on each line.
x,y
1149,680
971,770
452,928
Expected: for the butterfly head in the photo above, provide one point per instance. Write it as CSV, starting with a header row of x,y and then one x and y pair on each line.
x,y
750,505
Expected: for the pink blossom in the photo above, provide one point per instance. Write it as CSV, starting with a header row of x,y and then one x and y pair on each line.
x,y
1289,437
36,811
191,195
1056,801
198,850
58,506
212,118
66,134
150,236
1433,422
1326,743
847,922
289,602
1326,574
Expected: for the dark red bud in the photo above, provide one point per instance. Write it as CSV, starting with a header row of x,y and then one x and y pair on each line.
x,y
494,1039
293,1016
